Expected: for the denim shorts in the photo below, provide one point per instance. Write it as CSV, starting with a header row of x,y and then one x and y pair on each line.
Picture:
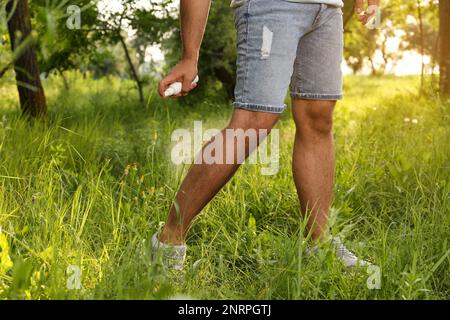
x,y
282,44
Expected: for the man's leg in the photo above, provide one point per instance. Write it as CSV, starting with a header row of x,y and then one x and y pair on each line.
x,y
203,181
313,161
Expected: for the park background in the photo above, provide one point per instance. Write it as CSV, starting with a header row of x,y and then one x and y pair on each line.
x,y
86,177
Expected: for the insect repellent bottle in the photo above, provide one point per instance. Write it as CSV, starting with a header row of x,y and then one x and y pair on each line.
x,y
175,88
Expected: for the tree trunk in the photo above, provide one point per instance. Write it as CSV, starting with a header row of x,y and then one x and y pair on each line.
x,y
31,92
132,69
422,44
444,36
372,64
65,82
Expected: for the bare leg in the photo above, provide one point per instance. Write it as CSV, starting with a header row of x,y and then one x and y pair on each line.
x,y
203,181
313,161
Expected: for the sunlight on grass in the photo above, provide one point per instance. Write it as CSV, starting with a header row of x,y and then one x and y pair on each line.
x,y
90,187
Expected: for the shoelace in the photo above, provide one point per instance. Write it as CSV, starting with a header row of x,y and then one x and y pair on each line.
x,y
172,256
343,251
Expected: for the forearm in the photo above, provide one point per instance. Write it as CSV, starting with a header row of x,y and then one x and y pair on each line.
x,y
193,16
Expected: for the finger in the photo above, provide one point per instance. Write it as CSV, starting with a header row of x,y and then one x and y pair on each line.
x,y
188,84
179,95
359,6
192,87
165,83
366,18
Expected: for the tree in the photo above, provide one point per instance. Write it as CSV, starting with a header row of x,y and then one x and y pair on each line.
x,y
113,28
8,56
422,42
362,45
418,20
153,25
63,47
31,92
444,36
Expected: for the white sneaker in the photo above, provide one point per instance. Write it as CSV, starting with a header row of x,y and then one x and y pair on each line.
x,y
170,256
348,258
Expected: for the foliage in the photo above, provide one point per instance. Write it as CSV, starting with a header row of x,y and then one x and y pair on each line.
x,y
156,23
217,62
61,48
412,38
399,19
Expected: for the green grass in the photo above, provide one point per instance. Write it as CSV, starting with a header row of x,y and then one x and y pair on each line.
x,y
92,186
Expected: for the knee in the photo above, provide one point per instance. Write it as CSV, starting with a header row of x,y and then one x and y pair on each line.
x,y
316,120
319,123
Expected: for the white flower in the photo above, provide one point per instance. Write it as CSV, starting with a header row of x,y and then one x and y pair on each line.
x,y
415,121
406,120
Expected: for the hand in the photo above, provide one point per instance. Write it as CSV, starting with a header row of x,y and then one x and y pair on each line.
x,y
185,72
365,15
